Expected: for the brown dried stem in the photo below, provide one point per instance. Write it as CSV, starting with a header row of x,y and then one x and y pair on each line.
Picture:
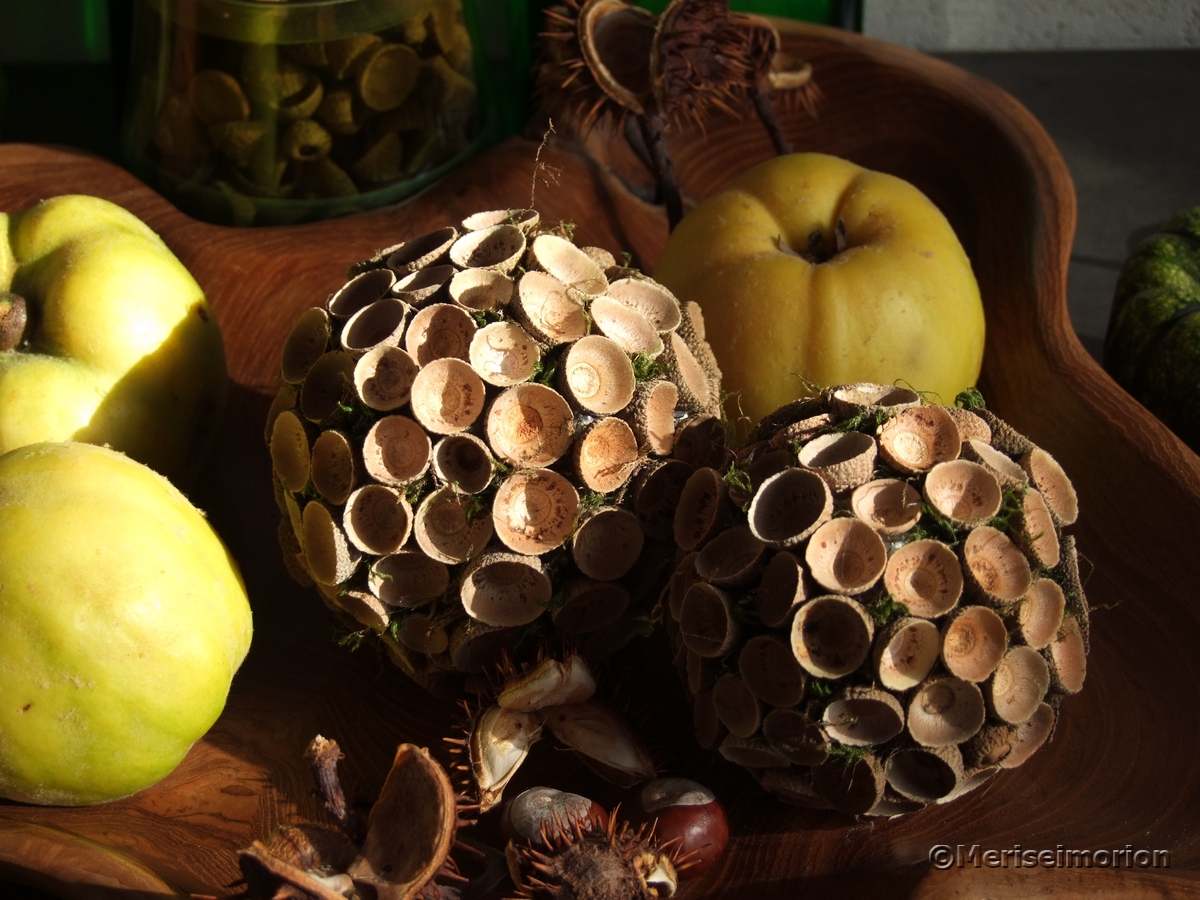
x,y
323,754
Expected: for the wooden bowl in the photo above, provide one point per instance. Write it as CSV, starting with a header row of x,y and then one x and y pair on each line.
x,y
1121,769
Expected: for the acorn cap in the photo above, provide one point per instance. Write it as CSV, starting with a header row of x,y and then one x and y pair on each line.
x,y
328,386
333,466
653,300
447,396
974,641
481,289
700,441
446,529
992,743
925,774
330,557
631,331
605,454
380,323
770,671
1036,532
1018,685
291,456
597,376
705,724
781,589
1040,614
568,264
1053,484
996,571
651,415
657,490
963,491
683,576
970,426
945,710
464,461
534,510
846,555
792,785
526,220
789,507
888,505
751,752
918,438
797,737
926,577
699,510
377,519
498,247
505,589
1031,734
732,558
590,605
737,706
421,252
707,622
863,716
360,292
1067,655
607,543
1006,472
424,285
853,787
696,393
305,344
844,459
408,578
503,354
906,652
396,450
440,331
530,424
864,397
548,310
384,376
831,636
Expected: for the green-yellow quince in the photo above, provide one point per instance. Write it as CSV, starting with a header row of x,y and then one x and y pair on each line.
x,y
809,268
119,345
122,622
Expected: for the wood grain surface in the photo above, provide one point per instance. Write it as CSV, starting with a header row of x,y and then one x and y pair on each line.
x,y
1122,768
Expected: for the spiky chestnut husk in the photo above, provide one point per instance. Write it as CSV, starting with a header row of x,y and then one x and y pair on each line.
x,y
403,850
465,496
876,523
586,861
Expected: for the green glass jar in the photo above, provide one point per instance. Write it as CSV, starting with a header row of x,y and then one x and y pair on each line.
x,y
269,112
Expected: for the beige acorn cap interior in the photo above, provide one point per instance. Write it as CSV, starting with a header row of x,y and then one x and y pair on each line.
x,y
408,578
1018,685
906,652
534,510
597,375
770,671
505,589
963,491
925,576
447,396
974,641
845,460
530,425
863,716
396,450
888,505
377,519
831,636
440,331
945,710
789,507
607,543
445,528
846,555
918,438
464,461
383,377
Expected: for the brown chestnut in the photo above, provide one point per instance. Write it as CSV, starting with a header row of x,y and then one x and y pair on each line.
x,y
530,810
689,814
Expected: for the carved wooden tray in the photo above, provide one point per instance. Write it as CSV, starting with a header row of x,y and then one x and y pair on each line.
x,y
1122,768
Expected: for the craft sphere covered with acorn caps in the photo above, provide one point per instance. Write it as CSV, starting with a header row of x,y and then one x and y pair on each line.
x,y
875,606
471,438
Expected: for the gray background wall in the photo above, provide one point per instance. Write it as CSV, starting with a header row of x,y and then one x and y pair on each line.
x,y
952,25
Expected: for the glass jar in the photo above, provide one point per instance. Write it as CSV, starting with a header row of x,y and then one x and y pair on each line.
x,y
269,112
